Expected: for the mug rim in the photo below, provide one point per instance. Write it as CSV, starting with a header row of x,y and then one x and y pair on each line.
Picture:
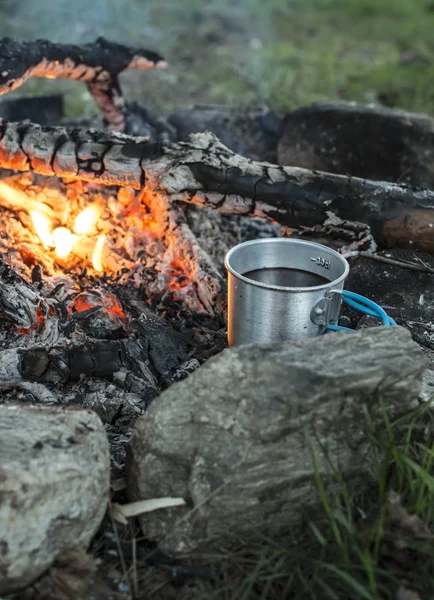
x,y
281,288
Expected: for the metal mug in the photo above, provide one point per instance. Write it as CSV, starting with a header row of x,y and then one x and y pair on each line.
x,y
282,289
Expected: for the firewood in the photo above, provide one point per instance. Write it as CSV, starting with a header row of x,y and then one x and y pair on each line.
x,y
98,64
204,172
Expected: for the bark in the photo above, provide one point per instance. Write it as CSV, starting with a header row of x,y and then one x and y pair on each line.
x,y
98,64
204,172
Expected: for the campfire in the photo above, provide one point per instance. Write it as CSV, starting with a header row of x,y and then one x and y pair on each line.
x,y
100,258
91,270
112,285
63,233
98,251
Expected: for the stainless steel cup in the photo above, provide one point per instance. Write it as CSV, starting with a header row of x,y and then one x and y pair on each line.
x,y
282,289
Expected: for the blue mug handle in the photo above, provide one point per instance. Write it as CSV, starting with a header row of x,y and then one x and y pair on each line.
x,y
365,306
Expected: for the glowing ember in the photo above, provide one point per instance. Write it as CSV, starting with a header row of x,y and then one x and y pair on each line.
x,y
87,219
97,253
63,240
42,225
110,304
40,321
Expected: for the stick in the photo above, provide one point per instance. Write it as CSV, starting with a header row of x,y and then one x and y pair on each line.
x,y
397,263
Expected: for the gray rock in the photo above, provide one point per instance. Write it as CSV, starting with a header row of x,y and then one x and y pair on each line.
x,y
54,484
234,438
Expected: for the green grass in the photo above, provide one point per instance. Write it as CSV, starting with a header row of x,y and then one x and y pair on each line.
x,y
354,546
285,53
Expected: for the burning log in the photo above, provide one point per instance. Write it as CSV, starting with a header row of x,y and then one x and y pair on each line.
x,y
127,233
98,64
204,172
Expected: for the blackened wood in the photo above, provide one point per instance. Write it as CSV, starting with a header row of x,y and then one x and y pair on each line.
x,y
66,363
98,64
148,347
44,110
251,132
371,142
204,172
134,364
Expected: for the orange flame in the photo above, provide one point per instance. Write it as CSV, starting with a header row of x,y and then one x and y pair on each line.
x,y
110,304
42,225
63,240
18,200
97,253
87,219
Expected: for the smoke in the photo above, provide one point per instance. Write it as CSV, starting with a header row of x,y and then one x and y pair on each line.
x,y
75,21
215,48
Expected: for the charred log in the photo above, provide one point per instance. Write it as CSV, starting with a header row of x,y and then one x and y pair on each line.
x,y
134,364
254,133
372,142
44,110
204,172
98,64
145,353
115,360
